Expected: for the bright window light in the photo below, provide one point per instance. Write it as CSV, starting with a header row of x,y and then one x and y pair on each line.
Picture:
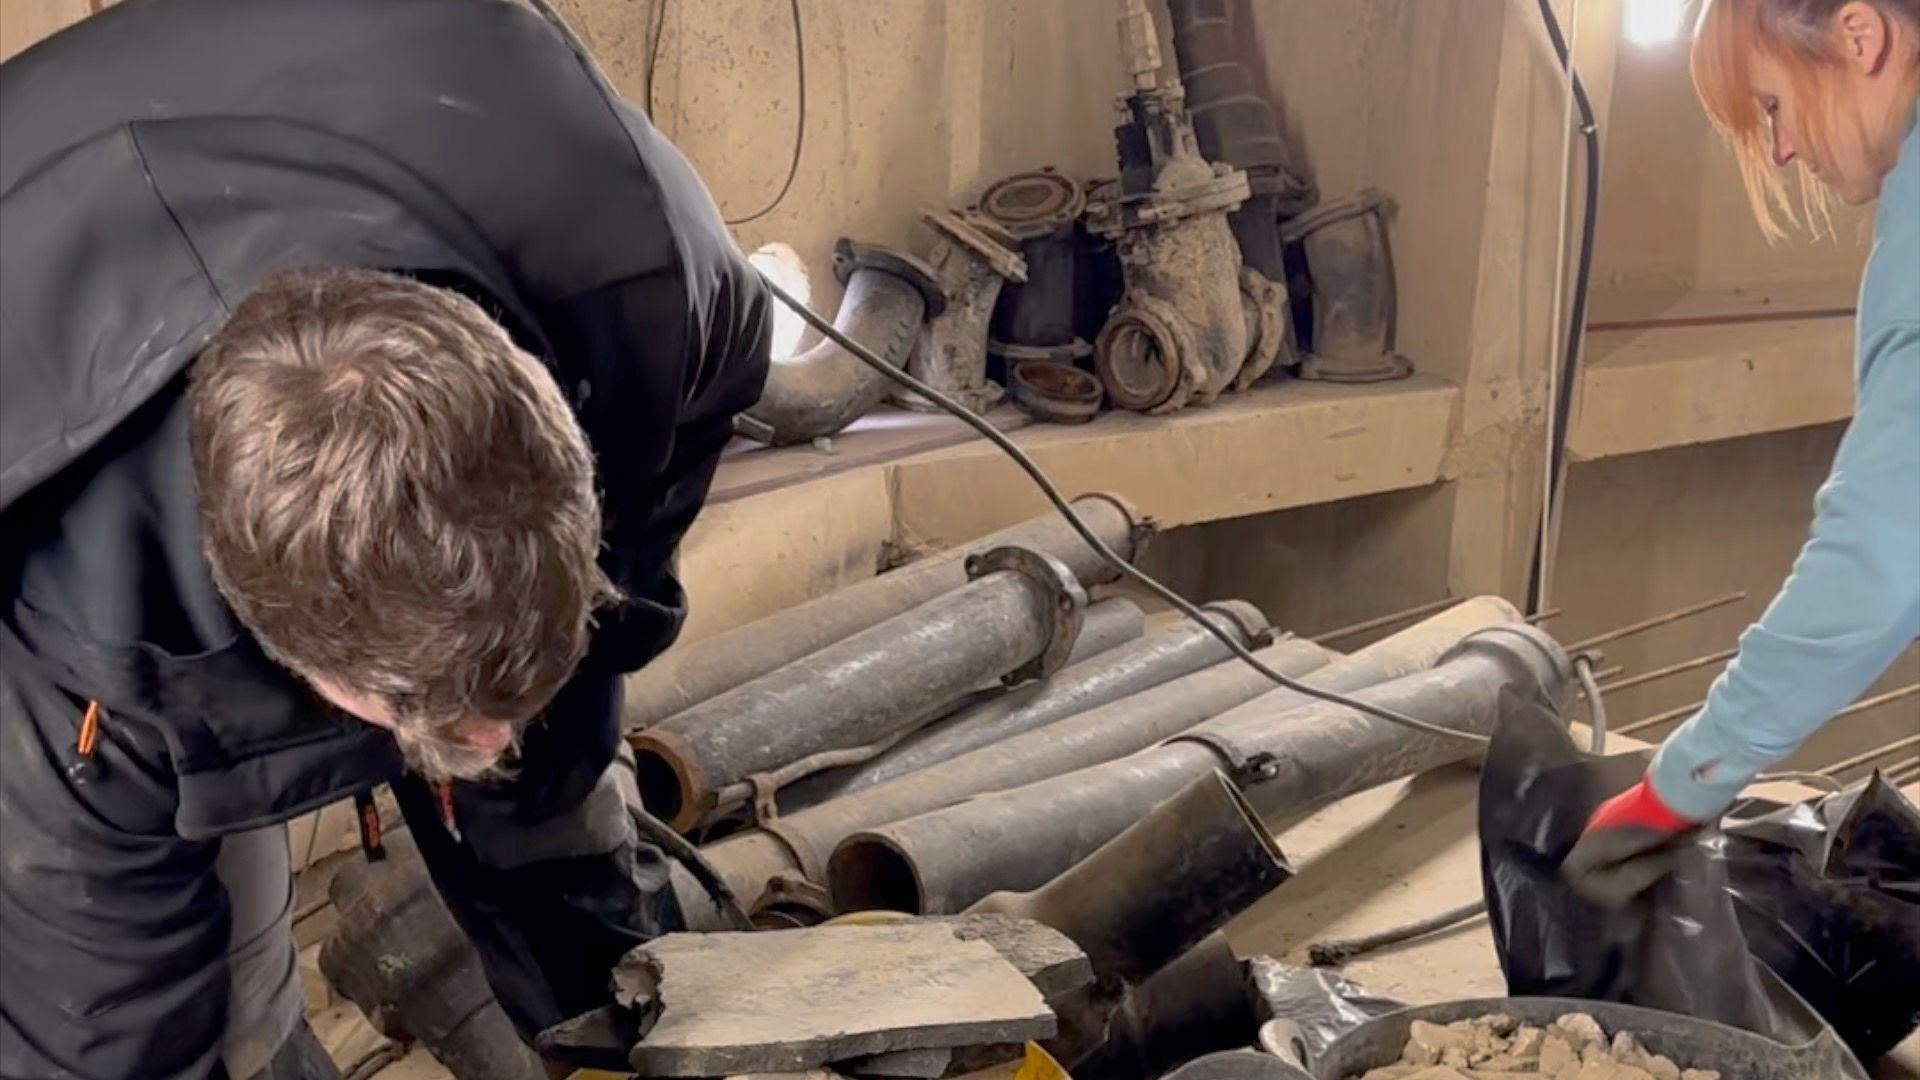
x,y
781,263
1654,22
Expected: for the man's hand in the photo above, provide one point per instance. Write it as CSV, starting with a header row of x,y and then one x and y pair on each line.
x,y
1630,843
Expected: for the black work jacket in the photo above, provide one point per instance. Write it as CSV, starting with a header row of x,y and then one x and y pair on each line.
x,y
156,161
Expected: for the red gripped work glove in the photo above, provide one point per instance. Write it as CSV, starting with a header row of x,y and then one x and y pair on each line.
x,y
1629,844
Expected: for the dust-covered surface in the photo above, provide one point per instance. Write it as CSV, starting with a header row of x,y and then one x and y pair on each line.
x,y
1498,1047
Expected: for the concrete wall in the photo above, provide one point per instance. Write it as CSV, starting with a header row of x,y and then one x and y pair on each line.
x,y
1674,217
909,105
23,22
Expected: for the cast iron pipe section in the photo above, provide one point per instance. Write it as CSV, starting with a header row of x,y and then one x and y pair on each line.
x,y
1289,758
889,294
1179,650
402,959
691,674
784,854
1018,617
1197,1003
1205,843
1235,124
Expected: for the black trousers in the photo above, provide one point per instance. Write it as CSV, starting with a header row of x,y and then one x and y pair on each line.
x,y
301,1057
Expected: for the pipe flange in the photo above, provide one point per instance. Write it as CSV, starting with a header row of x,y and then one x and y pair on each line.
x,y
1267,301
851,255
1359,204
1145,354
1067,604
1064,353
1054,391
1517,643
994,245
1111,213
1033,205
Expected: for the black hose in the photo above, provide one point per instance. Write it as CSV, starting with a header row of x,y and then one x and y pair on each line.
x,y
1577,321
653,829
1335,953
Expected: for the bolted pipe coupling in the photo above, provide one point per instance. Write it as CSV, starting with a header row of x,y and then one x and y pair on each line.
x,y
1067,606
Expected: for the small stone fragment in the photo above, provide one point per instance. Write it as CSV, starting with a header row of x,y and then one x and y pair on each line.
x,y
1700,1074
1581,1030
1557,1055
1526,1042
1661,1066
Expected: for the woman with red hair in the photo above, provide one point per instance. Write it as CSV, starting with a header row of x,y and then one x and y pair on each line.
x,y
1829,86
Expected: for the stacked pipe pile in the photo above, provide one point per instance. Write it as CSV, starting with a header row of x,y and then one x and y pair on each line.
x,y
975,733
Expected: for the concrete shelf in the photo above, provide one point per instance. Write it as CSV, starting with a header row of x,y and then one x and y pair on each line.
x,y
1687,381
786,524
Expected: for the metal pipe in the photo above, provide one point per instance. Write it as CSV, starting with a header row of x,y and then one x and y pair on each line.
x,y
402,959
1199,1002
686,676
1179,650
888,296
1844,764
1022,609
787,854
973,257
1289,758
1415,612
1205,841
1688,710
1658,620
1670,669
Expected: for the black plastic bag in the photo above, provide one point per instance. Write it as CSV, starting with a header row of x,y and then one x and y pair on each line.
x,y
1679,947
1816,904
1828,896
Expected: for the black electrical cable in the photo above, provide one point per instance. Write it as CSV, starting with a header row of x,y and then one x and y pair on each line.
x,y
1576,323
1107,554
656,29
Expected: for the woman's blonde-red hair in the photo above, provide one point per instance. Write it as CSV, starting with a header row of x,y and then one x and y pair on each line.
x,y
1799,35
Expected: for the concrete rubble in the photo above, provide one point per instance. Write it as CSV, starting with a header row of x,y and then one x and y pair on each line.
x,y
1498,1047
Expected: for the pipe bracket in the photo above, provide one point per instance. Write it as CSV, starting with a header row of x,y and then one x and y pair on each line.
x,y
1066,604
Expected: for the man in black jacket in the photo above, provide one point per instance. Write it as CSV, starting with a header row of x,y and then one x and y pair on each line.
x,y
364,363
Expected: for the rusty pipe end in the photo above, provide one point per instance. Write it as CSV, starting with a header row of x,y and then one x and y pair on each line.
x,y
673,785
869,872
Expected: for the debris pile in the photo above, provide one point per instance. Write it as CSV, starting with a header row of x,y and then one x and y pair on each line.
x,y
1498,1047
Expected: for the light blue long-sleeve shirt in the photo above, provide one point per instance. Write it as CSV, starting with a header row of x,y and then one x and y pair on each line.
x,y
1852,603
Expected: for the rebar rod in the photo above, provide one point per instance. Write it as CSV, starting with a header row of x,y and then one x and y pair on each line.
x,y
1671,669
1387,620
1853,709
1844,764
1658,620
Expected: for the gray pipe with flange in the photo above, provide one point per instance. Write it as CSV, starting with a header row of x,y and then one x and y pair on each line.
x,y
1290,760
1207,857
972,258
787,857
1018,618
1181,649
692,673
889,294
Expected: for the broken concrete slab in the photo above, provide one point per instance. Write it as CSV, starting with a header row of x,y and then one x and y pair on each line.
x,y
786,1000
1048,958
926,1063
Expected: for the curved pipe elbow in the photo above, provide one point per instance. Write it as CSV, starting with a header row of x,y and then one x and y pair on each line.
x,y
824,389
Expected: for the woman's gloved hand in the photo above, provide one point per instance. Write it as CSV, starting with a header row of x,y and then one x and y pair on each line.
x,y
1631,842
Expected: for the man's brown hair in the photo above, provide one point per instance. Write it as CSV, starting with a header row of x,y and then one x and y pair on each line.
x,y
396,499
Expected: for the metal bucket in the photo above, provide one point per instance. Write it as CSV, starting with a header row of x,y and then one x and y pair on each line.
x,y
1691,1043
